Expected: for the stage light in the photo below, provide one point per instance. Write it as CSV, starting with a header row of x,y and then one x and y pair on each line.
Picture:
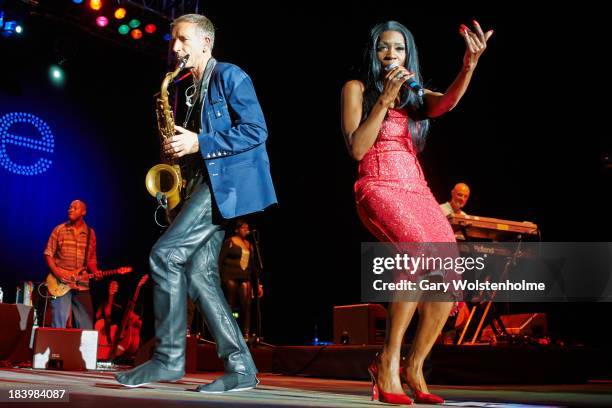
x,y
135,23
56,73
124,29
95,4
77,1
167,37
10,27
150,28
102,21
120,13
136,34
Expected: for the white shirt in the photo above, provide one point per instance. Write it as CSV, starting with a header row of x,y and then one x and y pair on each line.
x,y
448,211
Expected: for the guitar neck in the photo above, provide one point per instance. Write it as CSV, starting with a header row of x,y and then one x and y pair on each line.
x,y
126,314
131,305
104,273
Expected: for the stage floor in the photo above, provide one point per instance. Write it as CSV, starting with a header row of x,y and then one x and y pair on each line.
x,y
98,389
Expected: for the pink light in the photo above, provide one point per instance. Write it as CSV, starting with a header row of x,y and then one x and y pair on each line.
x,y
102,21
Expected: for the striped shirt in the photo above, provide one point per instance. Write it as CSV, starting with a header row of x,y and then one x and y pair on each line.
x,y
68,247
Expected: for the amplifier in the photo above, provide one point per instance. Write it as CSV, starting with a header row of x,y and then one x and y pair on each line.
x,y
65,349
360,324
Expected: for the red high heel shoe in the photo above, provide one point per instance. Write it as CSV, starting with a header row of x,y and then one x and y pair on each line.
x,y
380,395
425,398
419,396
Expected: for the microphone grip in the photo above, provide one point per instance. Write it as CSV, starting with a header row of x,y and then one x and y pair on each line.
x,y
410,83
415,87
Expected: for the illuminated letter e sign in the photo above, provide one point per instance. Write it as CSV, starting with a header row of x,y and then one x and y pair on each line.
x,y
43,143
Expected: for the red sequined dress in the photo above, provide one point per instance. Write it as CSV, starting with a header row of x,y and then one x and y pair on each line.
x,y
393,199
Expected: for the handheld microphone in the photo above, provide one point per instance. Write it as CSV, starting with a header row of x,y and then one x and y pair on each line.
x,y
411,83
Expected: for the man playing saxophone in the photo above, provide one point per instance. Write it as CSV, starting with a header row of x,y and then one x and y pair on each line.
x,y
224,124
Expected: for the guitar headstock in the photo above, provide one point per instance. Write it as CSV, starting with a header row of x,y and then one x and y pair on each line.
x,y
113,288
124,269
143,280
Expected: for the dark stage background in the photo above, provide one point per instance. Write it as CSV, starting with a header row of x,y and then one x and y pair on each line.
x,y
524,137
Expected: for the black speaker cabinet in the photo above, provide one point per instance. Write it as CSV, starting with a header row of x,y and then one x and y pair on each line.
x,y
15,332
359,324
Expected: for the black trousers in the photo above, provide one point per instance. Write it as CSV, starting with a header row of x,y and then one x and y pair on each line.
x,y
238,293
184,261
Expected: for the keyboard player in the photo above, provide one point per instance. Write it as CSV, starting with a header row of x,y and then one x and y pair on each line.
x,y
459,198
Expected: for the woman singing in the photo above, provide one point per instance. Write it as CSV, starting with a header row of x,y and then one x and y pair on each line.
x,y
385,123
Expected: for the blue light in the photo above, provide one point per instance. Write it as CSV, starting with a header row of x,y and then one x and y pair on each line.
x,y
9,26
77,1
167,37
45,143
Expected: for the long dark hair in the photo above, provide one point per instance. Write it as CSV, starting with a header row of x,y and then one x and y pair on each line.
x,y
372,79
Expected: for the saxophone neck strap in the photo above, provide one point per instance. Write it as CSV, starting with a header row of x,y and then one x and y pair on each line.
x,y
203,88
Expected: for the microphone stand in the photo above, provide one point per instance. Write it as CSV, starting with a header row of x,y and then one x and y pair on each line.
x,y
258,267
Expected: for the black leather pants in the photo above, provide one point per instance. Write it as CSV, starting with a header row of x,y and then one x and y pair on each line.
x,y
185,261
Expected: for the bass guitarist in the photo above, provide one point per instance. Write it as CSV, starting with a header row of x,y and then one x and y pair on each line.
x,y
70,253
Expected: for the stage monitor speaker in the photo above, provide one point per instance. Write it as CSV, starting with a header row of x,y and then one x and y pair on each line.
x,y
17,321
65,349
523,324
359,324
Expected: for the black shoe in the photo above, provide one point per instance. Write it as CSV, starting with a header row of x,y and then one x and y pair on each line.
x,y
151,371
230,382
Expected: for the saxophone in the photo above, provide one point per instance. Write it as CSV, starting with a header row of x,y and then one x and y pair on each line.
x,y
164,180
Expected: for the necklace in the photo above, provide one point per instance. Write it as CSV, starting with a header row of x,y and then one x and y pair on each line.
x,y
190,94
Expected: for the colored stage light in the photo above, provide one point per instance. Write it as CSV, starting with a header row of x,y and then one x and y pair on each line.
x,y
102,21
150,28
95,4
136,34
120,13
124,29
56,73
77,1
135,23
9,28
167,37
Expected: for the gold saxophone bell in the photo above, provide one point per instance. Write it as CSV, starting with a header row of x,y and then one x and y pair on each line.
x,y
164,180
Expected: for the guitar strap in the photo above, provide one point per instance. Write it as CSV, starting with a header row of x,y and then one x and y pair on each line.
x,y
87,247
83,284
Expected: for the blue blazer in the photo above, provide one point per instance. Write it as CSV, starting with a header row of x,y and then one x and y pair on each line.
x,y
232,143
